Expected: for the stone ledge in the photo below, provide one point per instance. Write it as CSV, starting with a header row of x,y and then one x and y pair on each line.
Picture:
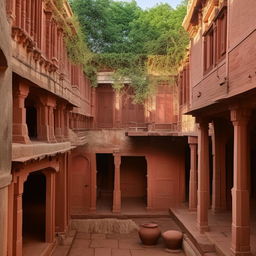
x,y
24,152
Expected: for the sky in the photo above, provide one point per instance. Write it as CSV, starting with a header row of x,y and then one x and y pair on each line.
x,y
150,3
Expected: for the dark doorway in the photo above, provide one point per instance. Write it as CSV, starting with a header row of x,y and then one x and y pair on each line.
x,y
133,183
34,209
31,118
105,181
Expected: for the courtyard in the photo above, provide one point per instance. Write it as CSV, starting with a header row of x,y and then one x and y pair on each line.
x,y
81,243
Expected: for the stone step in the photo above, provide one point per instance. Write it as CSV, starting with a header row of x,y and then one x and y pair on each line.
x,y
64,244
200,241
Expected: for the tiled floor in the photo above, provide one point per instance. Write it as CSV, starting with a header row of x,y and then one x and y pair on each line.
x,y
119,244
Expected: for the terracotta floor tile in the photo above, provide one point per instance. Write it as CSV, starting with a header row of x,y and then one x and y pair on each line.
x,y
154,252
98,236
83,235
104,243
83,243
81,252
102,252
121,252
130,244
61,250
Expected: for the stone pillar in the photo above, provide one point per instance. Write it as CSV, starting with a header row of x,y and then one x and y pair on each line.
x,y
66,120
149,185
59,123
4,217
50,206
61,196
18,214
240,191
51,123
193,174
219,167
20,129
203,177
46,116
117,190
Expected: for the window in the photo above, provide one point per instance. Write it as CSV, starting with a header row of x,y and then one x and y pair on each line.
x,y
215,39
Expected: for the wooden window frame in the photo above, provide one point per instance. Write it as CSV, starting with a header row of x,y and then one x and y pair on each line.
x,y
215,40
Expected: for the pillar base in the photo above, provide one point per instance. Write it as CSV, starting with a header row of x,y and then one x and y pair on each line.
x,y
203,229
21,139
116,210
233,253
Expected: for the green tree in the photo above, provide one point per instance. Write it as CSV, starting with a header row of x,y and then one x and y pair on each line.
x,y
106,23
133,42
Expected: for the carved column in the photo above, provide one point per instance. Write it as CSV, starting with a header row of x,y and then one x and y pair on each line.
x,y
61,196
57,125
66,116
193,174
46,122
149,185
203,176
117,190
240,191
50,206
219,167
20,129
59,122
18,214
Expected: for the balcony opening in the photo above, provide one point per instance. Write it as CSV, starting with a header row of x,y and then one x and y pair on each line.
x,y
31,117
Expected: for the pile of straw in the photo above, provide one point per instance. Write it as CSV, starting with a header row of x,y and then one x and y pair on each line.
x,y
104,226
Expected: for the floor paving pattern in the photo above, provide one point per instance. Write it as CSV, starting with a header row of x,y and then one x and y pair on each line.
x,y
85,244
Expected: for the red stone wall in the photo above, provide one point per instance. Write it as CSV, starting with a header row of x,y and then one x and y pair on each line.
x,y
165,157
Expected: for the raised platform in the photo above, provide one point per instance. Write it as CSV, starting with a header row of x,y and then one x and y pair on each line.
x,y
219,236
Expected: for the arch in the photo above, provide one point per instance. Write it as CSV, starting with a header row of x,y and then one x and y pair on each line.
x,y
3,60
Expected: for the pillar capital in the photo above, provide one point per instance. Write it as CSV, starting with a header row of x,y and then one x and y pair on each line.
x,y
202,121
240,115
193,140
21,90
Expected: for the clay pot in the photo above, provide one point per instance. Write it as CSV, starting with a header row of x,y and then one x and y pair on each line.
x,y
149,233
173,239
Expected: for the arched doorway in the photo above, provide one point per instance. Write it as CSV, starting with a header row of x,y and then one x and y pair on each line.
x,y
80,185
34,211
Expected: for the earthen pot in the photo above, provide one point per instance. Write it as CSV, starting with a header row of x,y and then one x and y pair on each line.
x,y
173,239
149,233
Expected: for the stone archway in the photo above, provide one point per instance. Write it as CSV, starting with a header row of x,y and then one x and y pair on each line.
x,y
47,218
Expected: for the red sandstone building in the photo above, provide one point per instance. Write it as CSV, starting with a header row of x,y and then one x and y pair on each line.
x,y
77,150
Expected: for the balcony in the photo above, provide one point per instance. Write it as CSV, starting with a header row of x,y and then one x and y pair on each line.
x,y
153,129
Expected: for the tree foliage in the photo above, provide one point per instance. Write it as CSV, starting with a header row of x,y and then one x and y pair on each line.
x,y
135,43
